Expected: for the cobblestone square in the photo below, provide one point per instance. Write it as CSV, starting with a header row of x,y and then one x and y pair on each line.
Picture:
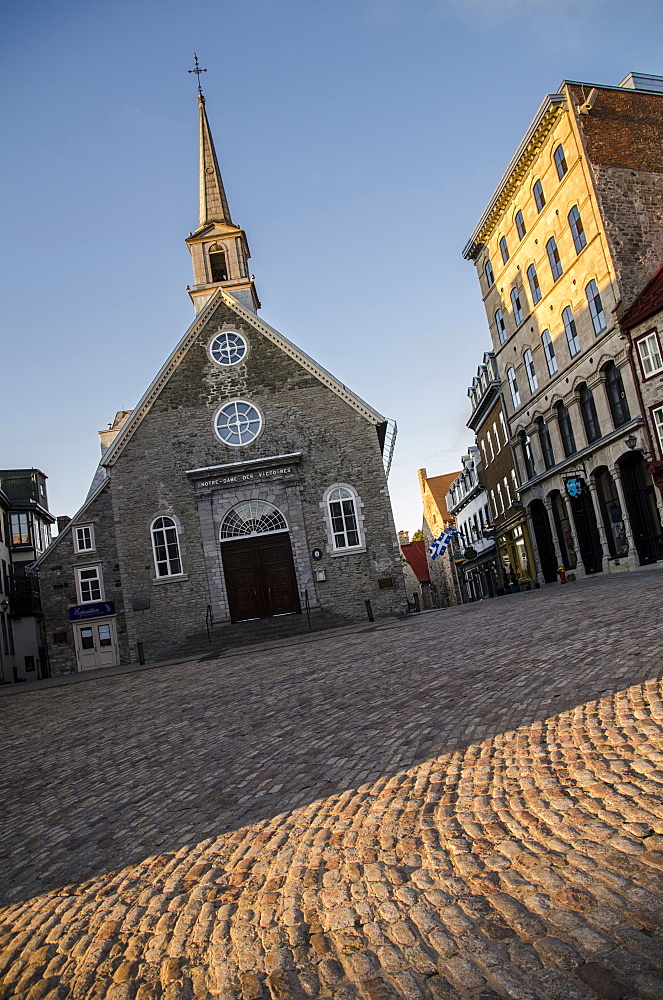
x,y
463,804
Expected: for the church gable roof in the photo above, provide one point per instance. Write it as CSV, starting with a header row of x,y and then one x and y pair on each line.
x,y
219,297
76,519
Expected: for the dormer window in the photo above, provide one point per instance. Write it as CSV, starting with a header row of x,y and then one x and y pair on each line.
x,y
217,261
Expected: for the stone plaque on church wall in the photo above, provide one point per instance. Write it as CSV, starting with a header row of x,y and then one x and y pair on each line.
x,y
237,474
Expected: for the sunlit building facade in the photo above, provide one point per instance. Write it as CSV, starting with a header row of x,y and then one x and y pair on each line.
x,y
572,233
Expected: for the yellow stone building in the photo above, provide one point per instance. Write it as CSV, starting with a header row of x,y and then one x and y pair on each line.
x,y
570,236
445,581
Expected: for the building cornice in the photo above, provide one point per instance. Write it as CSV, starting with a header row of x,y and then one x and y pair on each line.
x,y
545,118
578,456
484,406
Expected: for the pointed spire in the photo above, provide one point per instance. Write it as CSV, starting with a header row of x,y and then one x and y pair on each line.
x,y
213,202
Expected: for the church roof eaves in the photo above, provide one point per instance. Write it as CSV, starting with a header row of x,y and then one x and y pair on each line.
x,y
71,524
307,362
153,391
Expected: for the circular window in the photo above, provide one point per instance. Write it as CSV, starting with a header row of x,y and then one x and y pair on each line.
x,y
238,423
228,348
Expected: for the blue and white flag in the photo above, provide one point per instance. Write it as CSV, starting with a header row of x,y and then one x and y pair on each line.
x,y
439,545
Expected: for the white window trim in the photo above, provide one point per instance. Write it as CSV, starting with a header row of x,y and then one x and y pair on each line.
x,y
228,402
76,529
497,437
657,417
651,336
513,386
504,430
359,506
100,578
168,577
218,333
530,371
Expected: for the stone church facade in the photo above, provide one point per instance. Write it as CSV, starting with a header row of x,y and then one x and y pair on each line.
x,y
246,482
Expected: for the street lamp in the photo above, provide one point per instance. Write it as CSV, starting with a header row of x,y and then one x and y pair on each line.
x,y
631,441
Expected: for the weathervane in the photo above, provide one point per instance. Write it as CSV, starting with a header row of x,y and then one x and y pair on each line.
x,y
198,71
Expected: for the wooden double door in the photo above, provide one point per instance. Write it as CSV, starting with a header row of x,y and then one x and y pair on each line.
x,y
260,577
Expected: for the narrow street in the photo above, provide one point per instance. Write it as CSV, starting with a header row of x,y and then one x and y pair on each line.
x,y
464,804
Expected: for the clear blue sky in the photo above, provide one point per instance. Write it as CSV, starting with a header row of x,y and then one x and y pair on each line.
x,y
359,141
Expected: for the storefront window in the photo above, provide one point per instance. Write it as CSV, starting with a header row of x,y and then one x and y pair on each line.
x,y
517,562
611,511
563,529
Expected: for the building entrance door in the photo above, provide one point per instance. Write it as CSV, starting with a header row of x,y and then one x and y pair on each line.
x,y
260,577
96,644
544,542
589,541
642,509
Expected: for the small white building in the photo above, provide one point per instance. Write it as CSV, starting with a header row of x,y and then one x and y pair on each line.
x,y
468,503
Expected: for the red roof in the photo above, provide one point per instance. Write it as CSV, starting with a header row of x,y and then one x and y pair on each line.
x,y
648,302
415,553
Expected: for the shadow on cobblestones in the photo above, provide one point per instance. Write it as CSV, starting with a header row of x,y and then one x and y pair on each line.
x,y
407,808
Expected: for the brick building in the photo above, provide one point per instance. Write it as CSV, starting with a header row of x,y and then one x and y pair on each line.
x,y
247,482
515,565
643,323
571,234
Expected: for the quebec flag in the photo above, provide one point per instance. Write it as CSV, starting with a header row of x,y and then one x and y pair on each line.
x,y
439,545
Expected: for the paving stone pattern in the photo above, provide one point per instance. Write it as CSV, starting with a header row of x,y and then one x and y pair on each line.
x,y
465,804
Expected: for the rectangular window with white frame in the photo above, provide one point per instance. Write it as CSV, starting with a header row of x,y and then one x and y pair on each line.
x,y
504,430
649,350
84,538
657,417
89,585
497,437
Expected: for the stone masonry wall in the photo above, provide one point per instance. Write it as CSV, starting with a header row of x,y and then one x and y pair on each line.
x,y
623,139
300,415
58,585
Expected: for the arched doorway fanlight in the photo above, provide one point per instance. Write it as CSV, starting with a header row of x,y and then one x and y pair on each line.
x,y
252,517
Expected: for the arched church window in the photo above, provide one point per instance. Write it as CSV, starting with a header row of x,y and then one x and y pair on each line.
x,y
341,502
166,547
238,423
252,517
217,263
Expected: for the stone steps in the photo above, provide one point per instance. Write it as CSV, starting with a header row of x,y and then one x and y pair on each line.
x,y
230,636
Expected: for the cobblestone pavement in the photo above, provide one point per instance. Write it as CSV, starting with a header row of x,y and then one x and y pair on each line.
x,y
461,805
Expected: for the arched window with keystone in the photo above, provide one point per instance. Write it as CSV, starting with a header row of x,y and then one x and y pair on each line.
x,y
345,525
166,547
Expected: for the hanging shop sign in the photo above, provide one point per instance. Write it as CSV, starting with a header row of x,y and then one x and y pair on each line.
x,y
574,486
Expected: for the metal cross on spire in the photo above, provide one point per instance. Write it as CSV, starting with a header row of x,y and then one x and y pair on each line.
x,y
197,70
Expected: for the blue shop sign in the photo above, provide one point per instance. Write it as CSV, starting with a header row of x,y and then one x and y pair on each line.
x,y
84,611
574,486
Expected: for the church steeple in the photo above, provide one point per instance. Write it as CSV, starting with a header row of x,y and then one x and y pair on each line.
x,y
213,201
219,249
